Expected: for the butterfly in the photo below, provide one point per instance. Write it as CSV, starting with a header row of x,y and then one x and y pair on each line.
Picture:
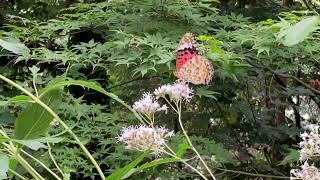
x,y
191,66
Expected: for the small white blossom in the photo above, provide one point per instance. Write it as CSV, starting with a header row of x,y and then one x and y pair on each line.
x,y
147,105
307,172
310,144
162,91
142,138
178,91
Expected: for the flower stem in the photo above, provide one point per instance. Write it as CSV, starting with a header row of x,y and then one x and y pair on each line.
x,y
187,164
55,116
189,141
28,167
17,174
54,161
43,165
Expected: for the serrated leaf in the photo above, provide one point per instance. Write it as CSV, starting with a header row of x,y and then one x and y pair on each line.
x,y
299,32
91,85
203,91
292,156
4,165
33,121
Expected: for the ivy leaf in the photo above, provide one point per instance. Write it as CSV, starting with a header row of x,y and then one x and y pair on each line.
x,y
34,121
292,156
4,165
299,32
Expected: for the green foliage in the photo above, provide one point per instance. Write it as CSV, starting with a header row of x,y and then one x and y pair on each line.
x,y
15,47
292,156
33,122
125,170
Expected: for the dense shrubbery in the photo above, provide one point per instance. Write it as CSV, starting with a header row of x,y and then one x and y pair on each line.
x,y
92,62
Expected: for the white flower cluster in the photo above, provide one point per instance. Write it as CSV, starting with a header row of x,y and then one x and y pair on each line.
x,y
310,144
178,91
147,105
142,138
307,172
310,147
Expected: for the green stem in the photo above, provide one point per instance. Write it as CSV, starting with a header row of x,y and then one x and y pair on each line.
x,y
75,137
43,165
184,162
13,151
28,167
54,161
189,141
17,174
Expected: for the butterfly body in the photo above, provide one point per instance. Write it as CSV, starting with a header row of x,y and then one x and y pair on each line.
x,y
191,66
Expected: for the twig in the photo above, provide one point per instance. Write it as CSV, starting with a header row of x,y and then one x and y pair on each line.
x,y
128,82
253,174
282,75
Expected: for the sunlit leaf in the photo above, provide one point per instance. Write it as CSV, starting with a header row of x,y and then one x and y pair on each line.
x,y
15,47
300,31
4,165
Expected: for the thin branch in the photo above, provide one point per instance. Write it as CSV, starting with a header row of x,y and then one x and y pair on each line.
x,y
254,174
282,75
307,5
133,80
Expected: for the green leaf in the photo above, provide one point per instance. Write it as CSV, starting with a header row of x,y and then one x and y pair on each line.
x,y
91,85
150,164
20,98
32,144
17,48
183,147
292,156
299,32
36,144
203,91
12,165
4,165
33,121
125,170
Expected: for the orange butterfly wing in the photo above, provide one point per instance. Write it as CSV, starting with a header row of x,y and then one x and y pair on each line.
x,y
198,70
